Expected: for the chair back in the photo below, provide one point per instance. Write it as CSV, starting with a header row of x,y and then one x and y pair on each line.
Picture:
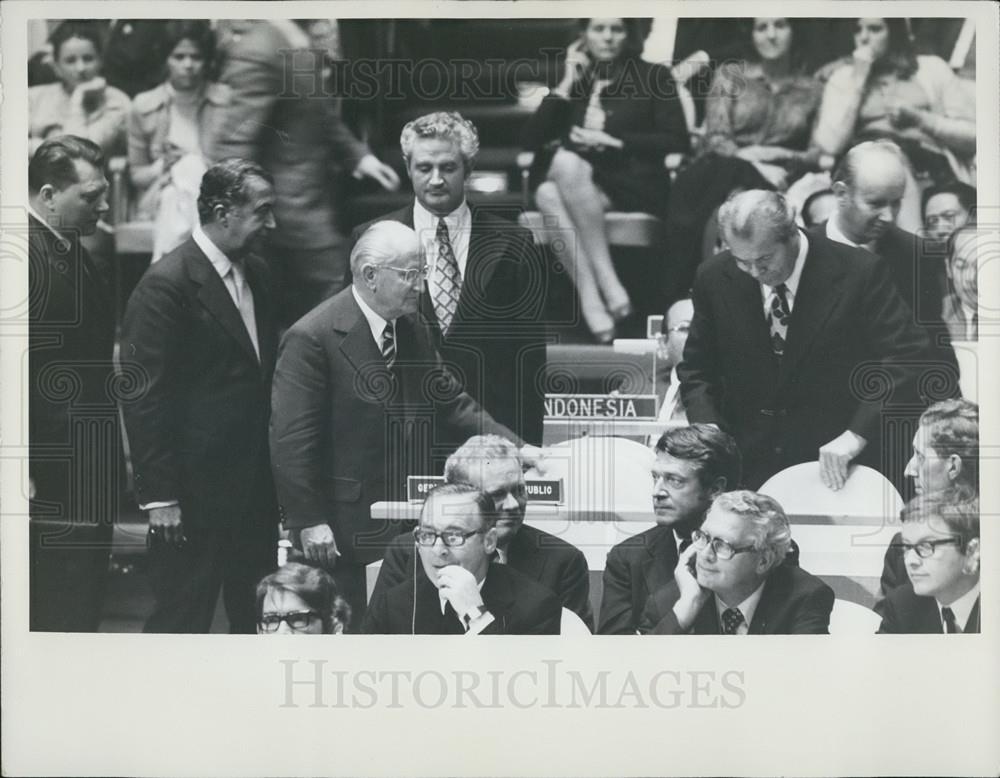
x,y
866,492
849,618
572,624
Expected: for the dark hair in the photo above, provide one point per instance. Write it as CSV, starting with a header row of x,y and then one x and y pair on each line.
x,y
809,201
636,31
197,31
901,56
965,194
75,29
54,162
713,451
315,587
225,184
960,516
481,499
953,429
797,51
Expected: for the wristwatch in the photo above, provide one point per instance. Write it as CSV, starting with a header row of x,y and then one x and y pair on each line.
x,y
477,613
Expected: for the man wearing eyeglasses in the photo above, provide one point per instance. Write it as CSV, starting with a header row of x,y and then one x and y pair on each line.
x,y
940,545
457,590
733,578
358,394
493,464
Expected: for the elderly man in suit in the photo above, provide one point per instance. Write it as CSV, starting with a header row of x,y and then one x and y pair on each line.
x,y
200,328
788,336
72,415
459,589
693,465
486,287
359,393
278,114
940,544
493,464
733,579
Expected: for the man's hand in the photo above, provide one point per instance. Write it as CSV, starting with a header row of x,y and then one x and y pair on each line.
x,y
594,139
319,545
165,526
692,594
371,167
836,455
460,588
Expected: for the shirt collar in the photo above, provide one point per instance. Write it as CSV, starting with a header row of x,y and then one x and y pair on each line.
x,y
220,261
425,223
792,282
962,607
375,321
51,229
444,601
748,607
837,235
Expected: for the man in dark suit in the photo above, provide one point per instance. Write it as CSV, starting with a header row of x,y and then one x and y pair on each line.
x,y
359,393
795,344
493,464
200,329
940,543
486,287
693,465
75,446
459,589
278,114
734,580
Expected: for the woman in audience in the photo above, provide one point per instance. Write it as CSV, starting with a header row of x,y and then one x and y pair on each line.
x,y
758,122
601,137
164,135
885,90
81,102
300,599
960,307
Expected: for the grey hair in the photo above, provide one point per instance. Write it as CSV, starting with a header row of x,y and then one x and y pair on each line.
x,y
382,242
766,517
755,212
850,163
465,465
447,125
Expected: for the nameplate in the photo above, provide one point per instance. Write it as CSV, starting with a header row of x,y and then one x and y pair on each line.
x,y
599,407
539,490
417,486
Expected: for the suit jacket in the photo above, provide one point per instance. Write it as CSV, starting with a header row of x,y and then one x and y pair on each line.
x,y
519,607
496,341
544,558
852,349
345,431
793,603
275,112
197,423
72,393
906,612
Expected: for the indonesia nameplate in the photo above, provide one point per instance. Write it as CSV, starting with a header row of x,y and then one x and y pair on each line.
x,y
600,407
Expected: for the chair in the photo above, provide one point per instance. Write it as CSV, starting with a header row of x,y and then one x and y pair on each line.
x,y
131,237
572,624
849,618
866,492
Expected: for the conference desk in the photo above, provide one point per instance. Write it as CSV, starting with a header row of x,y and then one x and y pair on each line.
x,y
845,551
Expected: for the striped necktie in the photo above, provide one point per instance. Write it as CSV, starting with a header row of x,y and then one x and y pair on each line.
x,y
447,280
389,345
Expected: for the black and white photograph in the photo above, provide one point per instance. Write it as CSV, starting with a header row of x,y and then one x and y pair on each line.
x,y
409,322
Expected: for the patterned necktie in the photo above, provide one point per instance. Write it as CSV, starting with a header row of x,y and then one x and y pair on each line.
x,y
949,621
731,620
777,317
244,303
389,345
447,280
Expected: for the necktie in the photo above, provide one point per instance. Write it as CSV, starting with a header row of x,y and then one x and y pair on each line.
x,y
446,279
244,303
389,345
731,620
948,615
777,317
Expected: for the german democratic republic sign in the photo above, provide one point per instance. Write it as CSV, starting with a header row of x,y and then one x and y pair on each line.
x,y
539,490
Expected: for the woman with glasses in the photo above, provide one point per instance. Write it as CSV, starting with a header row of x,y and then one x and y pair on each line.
x,y
940,545
301,600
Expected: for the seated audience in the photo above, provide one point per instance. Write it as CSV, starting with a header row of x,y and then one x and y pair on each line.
x,y
457,589
674,334
960,307
165,128
81,103
600,139
758,120
493,464
946,207
885,90
945,460
733,578
300,599
940,544
693,465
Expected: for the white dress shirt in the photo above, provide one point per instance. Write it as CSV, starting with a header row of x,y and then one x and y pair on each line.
x,y
672,408
375,322
459,223
233,278
791,283
962,608
748,608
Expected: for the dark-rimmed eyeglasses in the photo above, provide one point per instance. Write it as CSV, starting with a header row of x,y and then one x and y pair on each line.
x,y
926,548
721,548
296,620
450,537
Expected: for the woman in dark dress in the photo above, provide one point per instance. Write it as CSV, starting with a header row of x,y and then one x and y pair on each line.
x,y
600,139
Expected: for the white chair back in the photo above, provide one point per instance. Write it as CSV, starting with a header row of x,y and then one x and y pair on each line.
x,y
849,618
572,624
866,492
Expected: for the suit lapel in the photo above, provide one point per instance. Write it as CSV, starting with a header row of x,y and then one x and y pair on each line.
x,y
498,596
707,620
972,625
659,561
747,305
358,345
213,296
524,555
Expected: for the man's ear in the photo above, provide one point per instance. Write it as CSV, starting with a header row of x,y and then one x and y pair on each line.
x,y
841,192
971,565
46,196
953,467
718,487
220,214
490,540
768,559
368,273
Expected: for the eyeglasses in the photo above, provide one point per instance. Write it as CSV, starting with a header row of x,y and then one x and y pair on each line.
x,y
450,537
297,620
721,548
409,275
926,548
